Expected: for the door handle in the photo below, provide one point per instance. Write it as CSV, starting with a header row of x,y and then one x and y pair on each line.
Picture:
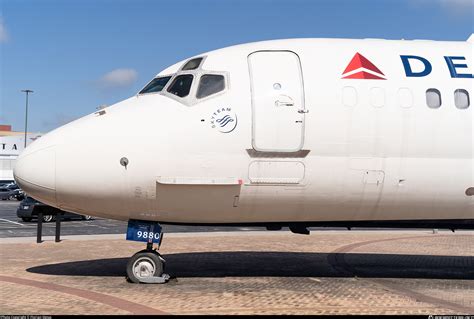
x,y
280,103
303,111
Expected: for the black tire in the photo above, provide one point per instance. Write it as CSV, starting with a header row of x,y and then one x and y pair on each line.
x,y
26,219
148,263
48,218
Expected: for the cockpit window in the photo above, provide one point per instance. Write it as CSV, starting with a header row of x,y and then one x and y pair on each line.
x,y
181,85
156,85
192,64
210,84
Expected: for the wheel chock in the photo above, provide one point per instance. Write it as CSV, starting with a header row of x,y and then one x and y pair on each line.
x,y
163,279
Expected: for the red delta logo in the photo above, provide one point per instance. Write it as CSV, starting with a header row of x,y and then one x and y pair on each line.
x,y
361,68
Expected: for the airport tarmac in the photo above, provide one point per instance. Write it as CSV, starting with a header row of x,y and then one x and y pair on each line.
x,y
331,272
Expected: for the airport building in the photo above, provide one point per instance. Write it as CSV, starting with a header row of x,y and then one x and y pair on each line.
x,y
11,145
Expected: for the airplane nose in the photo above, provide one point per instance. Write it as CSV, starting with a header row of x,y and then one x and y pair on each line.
x,y
35,173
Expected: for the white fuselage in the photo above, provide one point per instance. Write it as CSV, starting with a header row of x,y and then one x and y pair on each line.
x,y
304,135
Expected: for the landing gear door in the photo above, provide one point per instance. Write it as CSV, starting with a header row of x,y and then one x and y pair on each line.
x,y
277,101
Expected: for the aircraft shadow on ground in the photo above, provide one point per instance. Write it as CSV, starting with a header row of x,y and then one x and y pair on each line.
x,y
282,264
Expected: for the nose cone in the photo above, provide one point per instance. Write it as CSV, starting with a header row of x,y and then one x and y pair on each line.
x,y
35,173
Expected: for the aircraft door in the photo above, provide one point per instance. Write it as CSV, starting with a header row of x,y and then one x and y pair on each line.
x,y
277,101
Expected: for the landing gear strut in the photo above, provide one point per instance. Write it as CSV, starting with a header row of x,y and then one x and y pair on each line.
x,y
147,266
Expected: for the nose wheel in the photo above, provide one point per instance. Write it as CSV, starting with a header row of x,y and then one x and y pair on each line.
x,y
144,266
147,266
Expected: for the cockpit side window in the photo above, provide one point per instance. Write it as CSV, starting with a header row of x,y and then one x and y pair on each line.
x,y
181,85
210,84
156,85
192,64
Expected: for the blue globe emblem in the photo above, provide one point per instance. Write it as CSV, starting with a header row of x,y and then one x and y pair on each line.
x,y
224,120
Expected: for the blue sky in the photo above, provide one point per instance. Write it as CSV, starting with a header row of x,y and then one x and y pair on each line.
x,y
79,54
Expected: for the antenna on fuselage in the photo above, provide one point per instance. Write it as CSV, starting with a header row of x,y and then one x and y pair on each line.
x,y
101,109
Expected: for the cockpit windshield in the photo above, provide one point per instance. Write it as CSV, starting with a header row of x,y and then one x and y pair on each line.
x,y
190,84
156,85
181,85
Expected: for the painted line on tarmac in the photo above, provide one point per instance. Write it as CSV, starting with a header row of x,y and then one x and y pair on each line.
x,y
6,220
112,301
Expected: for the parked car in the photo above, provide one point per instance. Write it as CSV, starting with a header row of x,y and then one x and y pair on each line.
x,y
5,182
29,209
6,193
17,193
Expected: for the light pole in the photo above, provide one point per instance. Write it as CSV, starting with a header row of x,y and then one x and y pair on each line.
x,y
26,113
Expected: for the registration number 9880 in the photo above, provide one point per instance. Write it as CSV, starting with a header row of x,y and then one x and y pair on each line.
x,y
144,231
148,235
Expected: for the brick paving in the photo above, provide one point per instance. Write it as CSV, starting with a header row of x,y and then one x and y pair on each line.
x,y
328,272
